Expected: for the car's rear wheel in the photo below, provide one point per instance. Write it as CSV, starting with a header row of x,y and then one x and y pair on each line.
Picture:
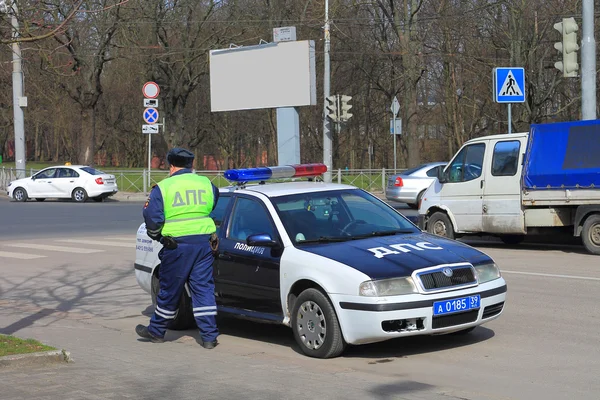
x,y
315,325
20,194
184,319
591,234
439,224
79,195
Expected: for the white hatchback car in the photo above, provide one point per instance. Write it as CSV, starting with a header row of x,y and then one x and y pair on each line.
x,y
78,182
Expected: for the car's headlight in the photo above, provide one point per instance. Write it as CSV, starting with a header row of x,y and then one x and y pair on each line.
x,y
387,287
487,272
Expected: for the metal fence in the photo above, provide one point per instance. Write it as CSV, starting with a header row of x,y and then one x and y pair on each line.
x,y
138,180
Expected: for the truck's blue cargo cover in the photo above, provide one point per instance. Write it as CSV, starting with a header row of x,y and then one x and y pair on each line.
x,y
563,155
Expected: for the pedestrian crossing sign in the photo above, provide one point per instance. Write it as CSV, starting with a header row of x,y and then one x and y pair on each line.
x,y
509,85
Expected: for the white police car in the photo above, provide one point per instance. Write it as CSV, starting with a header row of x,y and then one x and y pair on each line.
x,y
335,263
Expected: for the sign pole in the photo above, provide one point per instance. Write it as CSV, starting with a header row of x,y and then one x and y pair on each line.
x,y
394,135
509,119
149,162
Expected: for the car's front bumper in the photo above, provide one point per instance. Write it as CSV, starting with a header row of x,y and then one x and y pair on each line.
x,y
380,319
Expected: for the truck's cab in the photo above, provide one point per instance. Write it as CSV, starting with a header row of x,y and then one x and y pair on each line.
x,y
479,190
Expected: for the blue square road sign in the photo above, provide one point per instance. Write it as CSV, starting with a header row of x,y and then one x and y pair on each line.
x,y
509,85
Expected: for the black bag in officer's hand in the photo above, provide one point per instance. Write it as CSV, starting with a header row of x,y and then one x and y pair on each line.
x,y
169,243
214,242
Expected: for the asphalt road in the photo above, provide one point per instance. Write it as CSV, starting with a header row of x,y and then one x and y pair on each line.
x,y
76,290
65,217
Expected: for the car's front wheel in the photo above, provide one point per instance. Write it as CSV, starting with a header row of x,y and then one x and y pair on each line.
x,y
439,224
315,325
79,195
20,194
184,319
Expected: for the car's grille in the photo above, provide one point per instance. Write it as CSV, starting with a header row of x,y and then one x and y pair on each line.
x,y
445,321
492,310
463,275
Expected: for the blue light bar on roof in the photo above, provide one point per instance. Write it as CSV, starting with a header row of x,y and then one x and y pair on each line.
x,y
266,173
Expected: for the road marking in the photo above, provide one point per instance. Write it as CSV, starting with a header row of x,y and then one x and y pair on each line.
x,y
97,242
21,256
64,249
586,278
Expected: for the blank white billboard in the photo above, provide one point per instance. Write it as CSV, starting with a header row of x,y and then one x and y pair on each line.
x,y
265,76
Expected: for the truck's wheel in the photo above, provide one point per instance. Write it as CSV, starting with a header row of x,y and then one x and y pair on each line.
x,y
512,239
185,316
315,325
439,224
591,234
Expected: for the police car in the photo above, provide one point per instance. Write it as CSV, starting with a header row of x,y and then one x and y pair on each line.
x,y
335,263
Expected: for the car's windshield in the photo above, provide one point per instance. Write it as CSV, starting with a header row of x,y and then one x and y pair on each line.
x,y
338,215
92,171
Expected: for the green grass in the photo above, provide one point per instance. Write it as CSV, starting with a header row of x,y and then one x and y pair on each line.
x,y
10,345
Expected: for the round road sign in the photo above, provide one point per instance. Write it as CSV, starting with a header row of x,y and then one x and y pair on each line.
x,y
150,90
150,115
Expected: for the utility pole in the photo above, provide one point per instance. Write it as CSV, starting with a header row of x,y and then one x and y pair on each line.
x,y
17,81
327,159
588,62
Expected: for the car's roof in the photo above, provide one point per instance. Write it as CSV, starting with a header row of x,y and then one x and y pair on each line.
x,y
286,188
68,166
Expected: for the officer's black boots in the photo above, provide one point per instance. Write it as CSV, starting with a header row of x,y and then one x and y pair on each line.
x,y
142,331
208,345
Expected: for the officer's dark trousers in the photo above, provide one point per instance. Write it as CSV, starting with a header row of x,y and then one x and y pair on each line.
x,y
191,261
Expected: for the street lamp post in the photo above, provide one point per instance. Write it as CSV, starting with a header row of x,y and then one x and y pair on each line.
x,y
18,99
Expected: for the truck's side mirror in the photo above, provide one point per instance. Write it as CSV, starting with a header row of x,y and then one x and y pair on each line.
x,y
441,175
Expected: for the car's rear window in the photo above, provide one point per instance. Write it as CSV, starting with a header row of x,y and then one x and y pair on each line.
x,y
92,171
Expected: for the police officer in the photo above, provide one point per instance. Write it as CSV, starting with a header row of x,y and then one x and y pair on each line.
x,y
177,215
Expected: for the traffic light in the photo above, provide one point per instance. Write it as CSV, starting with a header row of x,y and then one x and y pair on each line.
x,y
568,47
345,115
332,108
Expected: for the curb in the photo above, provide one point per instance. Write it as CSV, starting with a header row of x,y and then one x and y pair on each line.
x,y
44,357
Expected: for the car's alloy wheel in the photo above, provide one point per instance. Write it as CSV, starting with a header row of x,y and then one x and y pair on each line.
x,y
79,195
315,325
20,194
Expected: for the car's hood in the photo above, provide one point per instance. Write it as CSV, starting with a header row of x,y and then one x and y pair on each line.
x,y
399,255
20,181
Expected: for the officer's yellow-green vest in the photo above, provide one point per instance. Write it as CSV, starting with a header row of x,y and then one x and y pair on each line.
x,y
188,200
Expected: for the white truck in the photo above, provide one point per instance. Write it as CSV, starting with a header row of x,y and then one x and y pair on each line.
x,y
512,185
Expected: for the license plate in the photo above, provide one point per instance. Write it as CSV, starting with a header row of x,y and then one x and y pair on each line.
x,y
456,305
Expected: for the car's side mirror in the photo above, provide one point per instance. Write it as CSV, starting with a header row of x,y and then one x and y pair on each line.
x,y
441,175
262,240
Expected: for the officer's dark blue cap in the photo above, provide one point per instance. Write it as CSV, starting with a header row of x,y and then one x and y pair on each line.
x,y
181,158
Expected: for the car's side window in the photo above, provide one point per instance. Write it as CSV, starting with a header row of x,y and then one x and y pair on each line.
x,y
46,174
67,173
433,172
468,164
219,211
249,217
505,161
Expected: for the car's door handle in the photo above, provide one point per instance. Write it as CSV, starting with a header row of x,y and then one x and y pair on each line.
x,y
224,256
481,184
71,181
